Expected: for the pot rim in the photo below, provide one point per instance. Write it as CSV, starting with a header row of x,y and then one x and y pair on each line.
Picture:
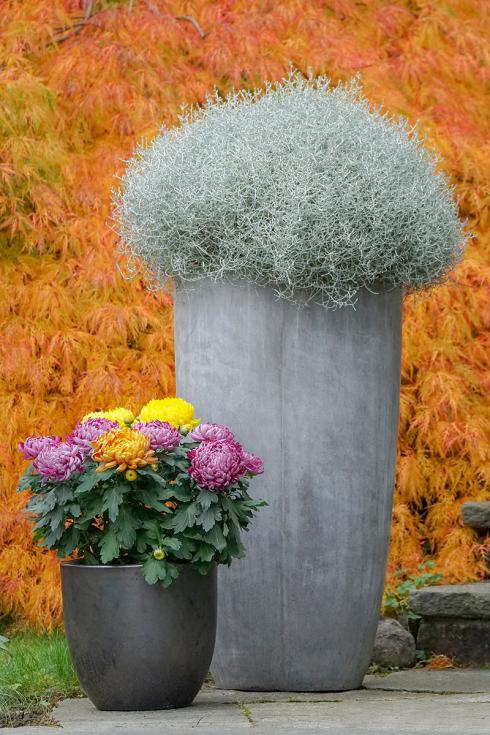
x,y
77,563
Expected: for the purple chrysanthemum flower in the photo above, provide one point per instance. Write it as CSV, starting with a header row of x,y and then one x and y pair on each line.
x,y
59,461
211,433
163,436
33,445
253,464
85,433
215,465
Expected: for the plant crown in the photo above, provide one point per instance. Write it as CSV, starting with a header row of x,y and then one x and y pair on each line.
x,y
302,186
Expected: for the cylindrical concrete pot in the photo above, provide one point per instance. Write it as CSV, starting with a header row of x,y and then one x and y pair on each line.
x,y
315,393
136,646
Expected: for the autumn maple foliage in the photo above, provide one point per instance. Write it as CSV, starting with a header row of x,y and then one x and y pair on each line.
x,y
81,82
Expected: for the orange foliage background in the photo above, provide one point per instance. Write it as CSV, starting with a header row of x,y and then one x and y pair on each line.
x,y
76,335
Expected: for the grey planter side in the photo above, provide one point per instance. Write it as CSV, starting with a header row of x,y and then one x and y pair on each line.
x,y
136,646
315,393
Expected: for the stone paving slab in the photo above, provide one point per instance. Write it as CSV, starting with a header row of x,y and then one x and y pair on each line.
x,y
403,703
444,681
420,714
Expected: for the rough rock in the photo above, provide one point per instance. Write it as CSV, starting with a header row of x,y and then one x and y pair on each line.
x,y
466,641
476,515
453,601
394,645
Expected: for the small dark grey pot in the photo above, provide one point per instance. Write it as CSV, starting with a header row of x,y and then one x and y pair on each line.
x,y
136,646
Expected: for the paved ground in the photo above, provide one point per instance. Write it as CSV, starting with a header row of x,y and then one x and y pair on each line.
x,y
448,702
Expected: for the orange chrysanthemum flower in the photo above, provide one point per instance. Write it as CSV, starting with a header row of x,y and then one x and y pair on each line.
x,y
122,449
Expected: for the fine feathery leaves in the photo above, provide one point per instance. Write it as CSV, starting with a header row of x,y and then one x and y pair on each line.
x,y
75,334
301,186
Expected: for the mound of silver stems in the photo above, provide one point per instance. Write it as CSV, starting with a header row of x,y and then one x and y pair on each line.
x,y
301,186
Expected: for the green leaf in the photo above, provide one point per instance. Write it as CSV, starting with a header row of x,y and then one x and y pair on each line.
x,y
197,534
74,510
155,570
143,540
56,517
153,528
202,567
204,552
182,493
90,480
125,527
50,540
64,494
90,560
172,543
208,518
148,472
91,505
42,503
154,497
109,546
187,549
185,517
27,479
215,538
69,541
207,498
111,500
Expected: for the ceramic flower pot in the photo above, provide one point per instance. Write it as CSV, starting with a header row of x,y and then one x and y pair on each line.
x,y
315,393
136,646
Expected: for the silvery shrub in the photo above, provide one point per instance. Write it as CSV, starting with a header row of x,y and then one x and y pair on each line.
x,y
302,186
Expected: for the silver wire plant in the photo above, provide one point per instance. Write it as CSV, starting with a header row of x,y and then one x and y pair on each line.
x,y
302,186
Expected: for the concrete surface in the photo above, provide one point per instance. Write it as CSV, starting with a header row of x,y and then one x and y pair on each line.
x,y
315,393
402,703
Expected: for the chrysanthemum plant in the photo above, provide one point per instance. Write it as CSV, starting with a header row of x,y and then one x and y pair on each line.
x,y
159,490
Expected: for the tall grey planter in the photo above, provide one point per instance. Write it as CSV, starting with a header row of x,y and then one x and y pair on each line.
x,y
315,393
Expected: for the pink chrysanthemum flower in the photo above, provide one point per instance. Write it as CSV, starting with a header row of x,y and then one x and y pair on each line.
x,y
253,464
33,445
59,461
215,465
85,433
211,433
163,436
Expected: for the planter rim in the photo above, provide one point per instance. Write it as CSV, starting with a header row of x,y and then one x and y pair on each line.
x,y
77,563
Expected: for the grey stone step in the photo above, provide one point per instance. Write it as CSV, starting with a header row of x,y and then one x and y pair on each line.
x,y
466,641
476,515
453,601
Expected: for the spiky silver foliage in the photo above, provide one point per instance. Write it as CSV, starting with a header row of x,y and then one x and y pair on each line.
x,y
301,186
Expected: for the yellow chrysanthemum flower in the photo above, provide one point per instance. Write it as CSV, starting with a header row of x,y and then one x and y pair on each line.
x,y
123,416
122,449
191,425
159,554
175,411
